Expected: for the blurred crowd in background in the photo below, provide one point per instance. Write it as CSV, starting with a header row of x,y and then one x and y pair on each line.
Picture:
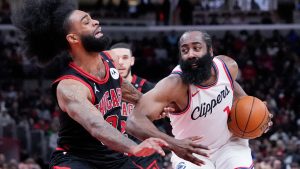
x,y
269,69
181,12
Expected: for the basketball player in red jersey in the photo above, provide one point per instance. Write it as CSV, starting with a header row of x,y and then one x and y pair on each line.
x,y
203,87
89,90
126,61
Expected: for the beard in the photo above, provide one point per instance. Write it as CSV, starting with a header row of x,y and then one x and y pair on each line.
x,y
92,44
197,70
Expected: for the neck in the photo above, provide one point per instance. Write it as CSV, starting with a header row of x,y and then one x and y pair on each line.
x,y
88,61
129,77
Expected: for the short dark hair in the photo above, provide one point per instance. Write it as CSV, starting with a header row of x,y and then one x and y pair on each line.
x,y
121,45
206,37
44,25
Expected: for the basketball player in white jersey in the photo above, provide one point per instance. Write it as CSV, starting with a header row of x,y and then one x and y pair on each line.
x,y
203,88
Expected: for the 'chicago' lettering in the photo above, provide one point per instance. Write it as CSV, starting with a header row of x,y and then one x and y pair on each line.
x,y
127,108
109,100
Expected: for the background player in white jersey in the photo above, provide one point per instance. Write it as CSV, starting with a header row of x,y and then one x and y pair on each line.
x,y
203,87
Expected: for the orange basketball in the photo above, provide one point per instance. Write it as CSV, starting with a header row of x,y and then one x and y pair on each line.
x,y
248,117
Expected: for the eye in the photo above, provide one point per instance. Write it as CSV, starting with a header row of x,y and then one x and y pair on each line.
x,y
184,50
197,48
86,20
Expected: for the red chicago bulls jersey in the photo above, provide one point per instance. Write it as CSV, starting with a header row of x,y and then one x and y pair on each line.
x,y
106,96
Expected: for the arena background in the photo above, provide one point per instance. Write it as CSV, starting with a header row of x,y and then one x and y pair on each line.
x,y
263,36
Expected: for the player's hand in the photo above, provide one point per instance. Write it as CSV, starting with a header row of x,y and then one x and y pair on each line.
x,y
186,147
270,123
170,108
166,112
149,146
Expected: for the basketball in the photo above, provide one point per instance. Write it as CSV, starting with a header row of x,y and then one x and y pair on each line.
x,y
248,117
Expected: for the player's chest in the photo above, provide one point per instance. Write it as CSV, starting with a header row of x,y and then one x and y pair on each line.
x,y
210,103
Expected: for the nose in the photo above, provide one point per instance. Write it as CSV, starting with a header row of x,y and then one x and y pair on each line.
x,y
95,22
121,61
191,54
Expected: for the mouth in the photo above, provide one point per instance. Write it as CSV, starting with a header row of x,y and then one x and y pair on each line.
x,y
121,69
194,65
98,33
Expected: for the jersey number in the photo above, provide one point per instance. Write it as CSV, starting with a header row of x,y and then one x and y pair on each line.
x,y
113,120
227,110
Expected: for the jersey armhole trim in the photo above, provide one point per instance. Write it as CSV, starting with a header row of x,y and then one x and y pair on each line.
x,y
176,73
81,81
227,73
187,106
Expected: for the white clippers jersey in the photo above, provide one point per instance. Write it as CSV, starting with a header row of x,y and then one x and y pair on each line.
x,y
207,111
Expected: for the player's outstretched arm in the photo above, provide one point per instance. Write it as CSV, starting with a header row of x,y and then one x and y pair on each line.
x,y
74,98
149,108
129,93
132,95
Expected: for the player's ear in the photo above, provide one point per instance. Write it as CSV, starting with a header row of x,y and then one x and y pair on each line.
x,y
72,38
132,60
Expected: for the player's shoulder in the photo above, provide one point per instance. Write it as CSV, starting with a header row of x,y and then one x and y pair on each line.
x,y
138,78
230,64
175,76
177,70
228,61
142,83
71,85
224,58
171,87
173,81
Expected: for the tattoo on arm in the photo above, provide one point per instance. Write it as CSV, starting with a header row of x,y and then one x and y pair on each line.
x,y
129,93
110,136
74,99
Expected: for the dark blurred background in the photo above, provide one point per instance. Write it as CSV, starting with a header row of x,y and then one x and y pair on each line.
x,y
263,36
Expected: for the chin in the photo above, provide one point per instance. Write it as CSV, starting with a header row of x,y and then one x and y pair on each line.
x,y
122,74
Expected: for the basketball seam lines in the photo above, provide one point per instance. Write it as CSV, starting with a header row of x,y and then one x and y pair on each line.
x,y
236,120
249,116
263,119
